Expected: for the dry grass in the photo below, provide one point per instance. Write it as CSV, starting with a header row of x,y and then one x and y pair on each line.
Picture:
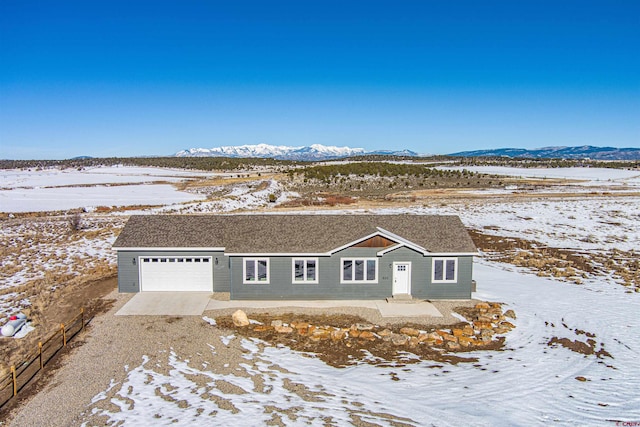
x,y
42,255
320,200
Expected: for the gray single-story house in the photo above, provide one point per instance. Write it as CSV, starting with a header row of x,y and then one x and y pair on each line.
x,y
297,257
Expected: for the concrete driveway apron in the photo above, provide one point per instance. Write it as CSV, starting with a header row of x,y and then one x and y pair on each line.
x,y
166,304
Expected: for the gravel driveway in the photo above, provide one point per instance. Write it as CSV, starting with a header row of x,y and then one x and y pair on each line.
x,y
113,344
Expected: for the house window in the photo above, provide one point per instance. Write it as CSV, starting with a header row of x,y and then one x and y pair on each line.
x,y
256,270
304,270
359,270
445,270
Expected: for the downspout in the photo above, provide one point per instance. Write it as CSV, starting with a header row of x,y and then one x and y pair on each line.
x,y
230,278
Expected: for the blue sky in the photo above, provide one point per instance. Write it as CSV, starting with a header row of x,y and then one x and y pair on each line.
x,y
128,78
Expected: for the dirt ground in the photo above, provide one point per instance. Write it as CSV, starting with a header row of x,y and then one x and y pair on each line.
x,y
88,295
564,264
344,353
572,266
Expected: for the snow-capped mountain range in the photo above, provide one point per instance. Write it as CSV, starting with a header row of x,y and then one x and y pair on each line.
x,y
318,152
283,152
581,152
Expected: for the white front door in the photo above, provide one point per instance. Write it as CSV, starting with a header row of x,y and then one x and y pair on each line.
x,y
401,278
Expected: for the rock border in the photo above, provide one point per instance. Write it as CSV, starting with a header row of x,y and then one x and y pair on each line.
x,y
484,329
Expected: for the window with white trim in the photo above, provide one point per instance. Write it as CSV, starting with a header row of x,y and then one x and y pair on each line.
x,y
304,270
444,270
359,270
255,270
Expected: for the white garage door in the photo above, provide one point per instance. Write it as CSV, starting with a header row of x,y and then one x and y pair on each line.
x,y
176,274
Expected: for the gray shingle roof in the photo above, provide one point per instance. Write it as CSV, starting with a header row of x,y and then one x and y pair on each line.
x,y
290,233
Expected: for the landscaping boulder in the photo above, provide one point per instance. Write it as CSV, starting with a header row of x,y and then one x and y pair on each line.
x,y
240,318
338,334
410,331
367,335
399,339
364,326
452,345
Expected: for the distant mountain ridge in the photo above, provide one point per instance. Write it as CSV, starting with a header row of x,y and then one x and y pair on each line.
x,y
283,152
317,152
582,152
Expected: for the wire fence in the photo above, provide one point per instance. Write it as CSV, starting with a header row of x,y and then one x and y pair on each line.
x,y
22,373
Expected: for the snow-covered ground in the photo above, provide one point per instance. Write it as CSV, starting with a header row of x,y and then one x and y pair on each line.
x,y
61,189
588,176
47,246
529,383
48,250
602,223
55,190
251,195
64,198
55,177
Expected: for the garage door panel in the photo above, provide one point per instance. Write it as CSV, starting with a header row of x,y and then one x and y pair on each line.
x,y
176,274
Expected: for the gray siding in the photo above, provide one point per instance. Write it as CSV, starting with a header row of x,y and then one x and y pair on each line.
x,y
129,277
459,290
280,285
227,276
221,272
329,286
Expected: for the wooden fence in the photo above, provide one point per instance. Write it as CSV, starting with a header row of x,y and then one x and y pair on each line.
x,y
22,373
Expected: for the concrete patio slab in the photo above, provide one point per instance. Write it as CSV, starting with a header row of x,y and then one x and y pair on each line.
x,y
386,309
166,304
422,308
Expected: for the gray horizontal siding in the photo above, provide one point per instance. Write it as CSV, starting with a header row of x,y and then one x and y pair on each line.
x,y
459,290
227,276
280,285
129,276
221,272
329,286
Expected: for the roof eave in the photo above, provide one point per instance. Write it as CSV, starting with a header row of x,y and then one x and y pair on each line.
x,y
167,248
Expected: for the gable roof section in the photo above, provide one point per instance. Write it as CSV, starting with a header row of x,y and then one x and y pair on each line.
x,y
290,234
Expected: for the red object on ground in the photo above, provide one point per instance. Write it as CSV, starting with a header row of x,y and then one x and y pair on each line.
x,y
13,318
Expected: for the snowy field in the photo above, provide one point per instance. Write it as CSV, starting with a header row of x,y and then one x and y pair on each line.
x,y
56,189
601,223
529,383
47,249
54,177
587,176
64,198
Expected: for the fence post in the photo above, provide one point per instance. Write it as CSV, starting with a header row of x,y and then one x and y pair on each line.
x,y
40,351
64,335
82,317
15,382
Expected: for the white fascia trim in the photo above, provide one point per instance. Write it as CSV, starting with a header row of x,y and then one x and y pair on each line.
x,y
355,242
401,245
451,254
390,248
394,247
401,239
426,254
155,249
292,254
